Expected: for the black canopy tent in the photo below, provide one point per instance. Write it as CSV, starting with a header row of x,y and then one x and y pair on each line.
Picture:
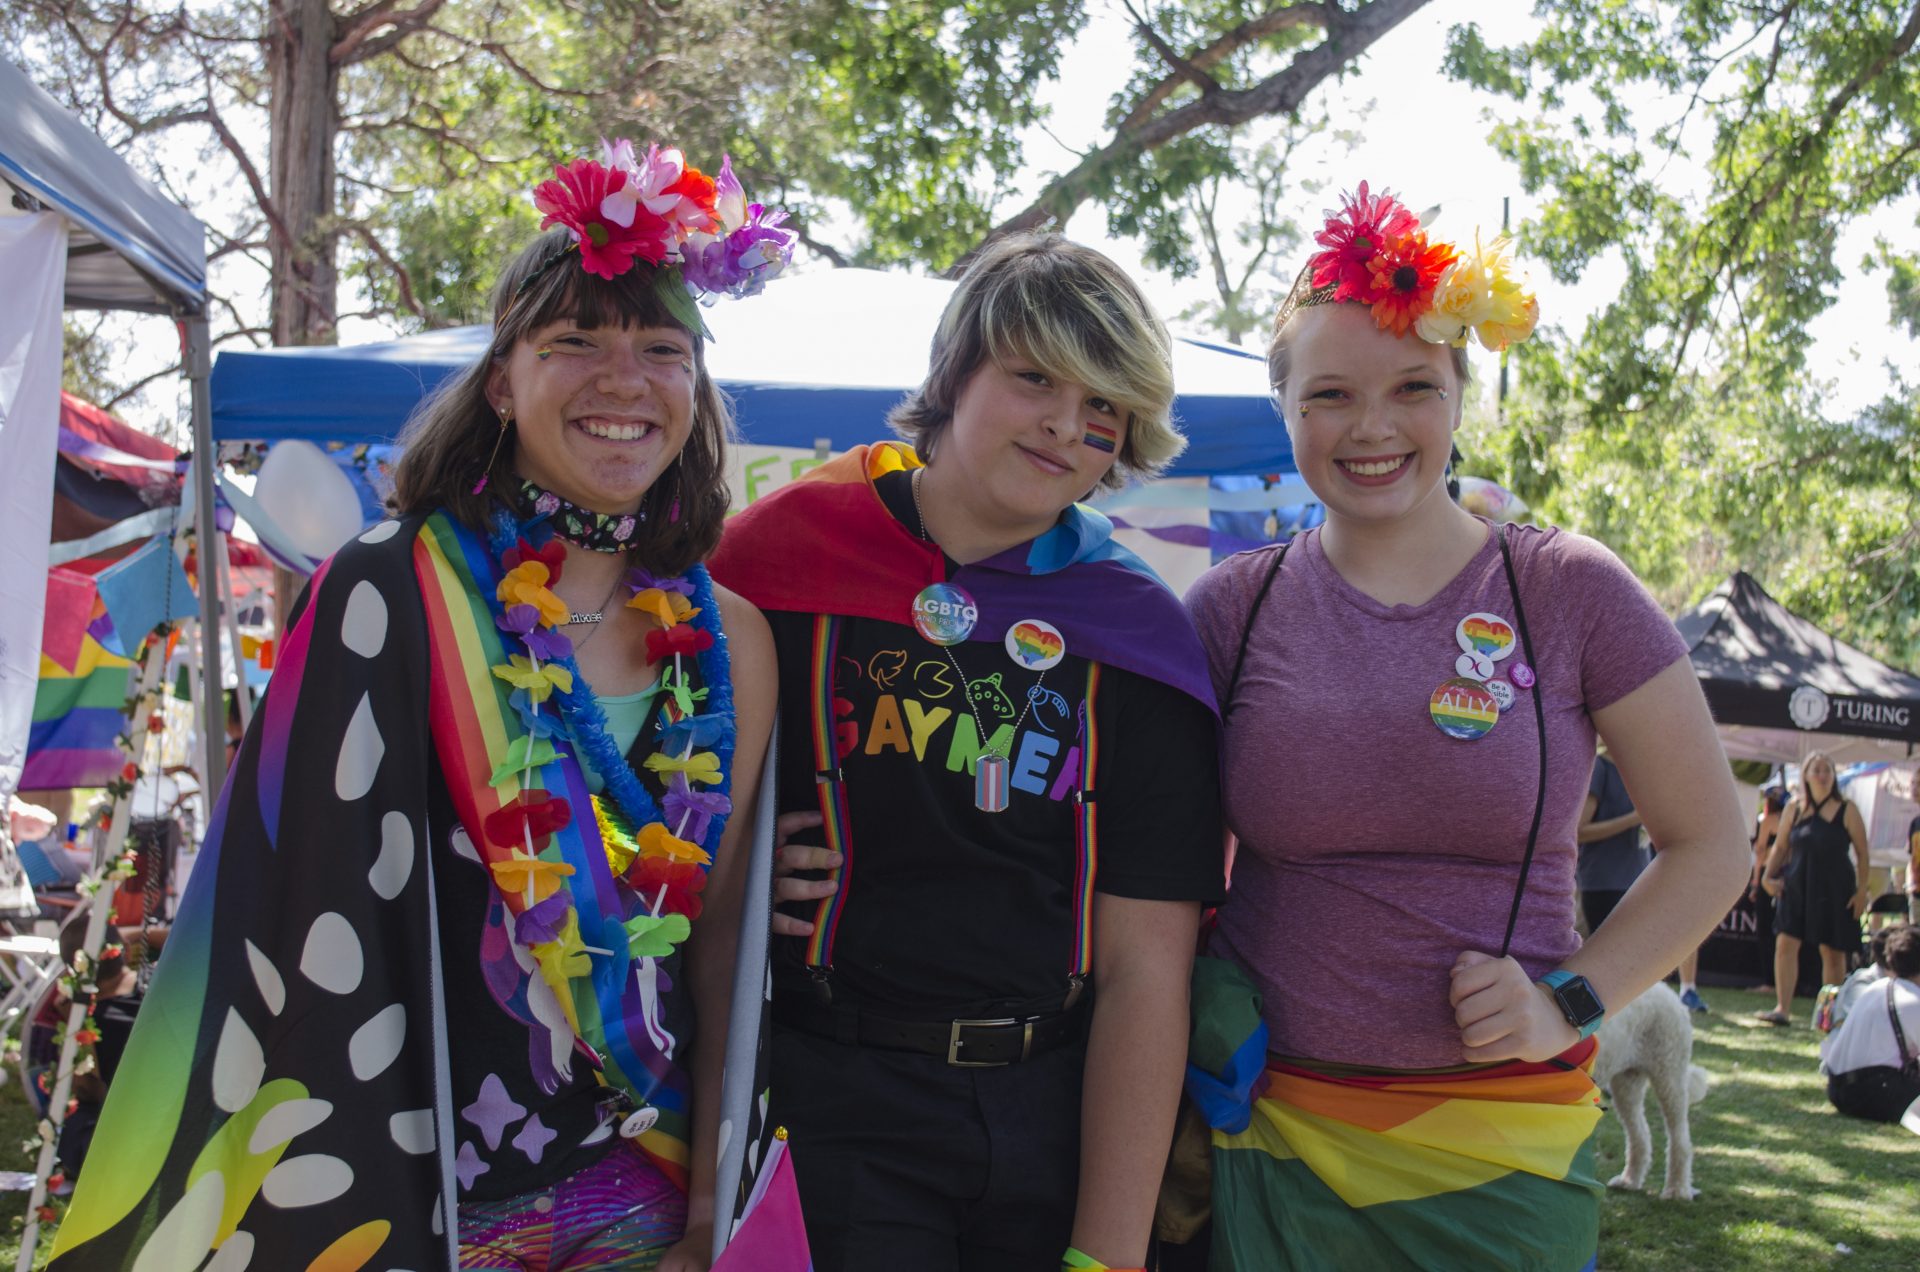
x,y
1780,687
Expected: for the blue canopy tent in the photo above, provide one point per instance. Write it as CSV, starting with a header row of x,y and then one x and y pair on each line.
x,y
817,359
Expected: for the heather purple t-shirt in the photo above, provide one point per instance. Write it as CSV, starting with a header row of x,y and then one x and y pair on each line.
x,y
1373,847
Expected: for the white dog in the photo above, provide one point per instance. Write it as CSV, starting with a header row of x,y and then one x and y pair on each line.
x,y
1650,1043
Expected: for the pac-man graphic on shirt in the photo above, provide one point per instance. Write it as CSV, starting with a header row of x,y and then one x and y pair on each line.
x,y
1036,644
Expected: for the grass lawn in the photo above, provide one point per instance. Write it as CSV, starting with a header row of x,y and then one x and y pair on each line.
x,y
1784,1180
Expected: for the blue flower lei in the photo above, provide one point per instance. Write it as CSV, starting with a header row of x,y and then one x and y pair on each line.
x,y
582,712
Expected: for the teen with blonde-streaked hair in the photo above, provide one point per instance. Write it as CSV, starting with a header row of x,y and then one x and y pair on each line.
x,y
998,751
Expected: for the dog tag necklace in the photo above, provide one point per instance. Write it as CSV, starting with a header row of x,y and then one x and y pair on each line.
x,y
992,775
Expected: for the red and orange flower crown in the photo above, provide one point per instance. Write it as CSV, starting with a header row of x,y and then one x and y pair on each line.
x,y
1375,253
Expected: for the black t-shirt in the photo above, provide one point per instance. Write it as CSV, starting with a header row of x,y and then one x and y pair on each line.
x,y
950,911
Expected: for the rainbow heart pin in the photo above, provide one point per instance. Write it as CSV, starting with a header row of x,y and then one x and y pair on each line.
x,y
1488,635
1036,644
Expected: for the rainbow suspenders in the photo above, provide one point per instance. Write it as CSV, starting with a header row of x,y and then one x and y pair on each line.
x,y
830,781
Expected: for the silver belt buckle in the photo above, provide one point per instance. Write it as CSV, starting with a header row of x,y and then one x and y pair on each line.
x,y
954,1043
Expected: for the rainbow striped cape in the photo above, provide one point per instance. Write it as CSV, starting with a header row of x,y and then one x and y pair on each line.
x,y
826,544
1488,1168
284,1100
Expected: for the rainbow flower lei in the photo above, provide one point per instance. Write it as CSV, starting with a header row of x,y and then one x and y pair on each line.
x,y
1375,253
659,849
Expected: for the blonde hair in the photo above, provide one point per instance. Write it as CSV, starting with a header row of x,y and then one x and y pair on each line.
x,y
1074,314
1805,791
450,436
1280,348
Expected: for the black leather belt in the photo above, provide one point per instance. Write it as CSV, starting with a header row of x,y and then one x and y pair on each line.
x,y
966,1044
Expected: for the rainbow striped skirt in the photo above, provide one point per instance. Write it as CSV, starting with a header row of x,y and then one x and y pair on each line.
x,y
1484,1169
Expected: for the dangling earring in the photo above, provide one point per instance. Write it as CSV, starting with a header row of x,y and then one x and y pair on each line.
x,y
506,418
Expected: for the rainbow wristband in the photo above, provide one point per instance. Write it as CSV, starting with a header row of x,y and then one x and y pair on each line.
x,y
1074,1261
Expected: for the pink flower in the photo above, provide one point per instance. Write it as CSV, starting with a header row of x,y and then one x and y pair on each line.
x,y
1365,226
587,198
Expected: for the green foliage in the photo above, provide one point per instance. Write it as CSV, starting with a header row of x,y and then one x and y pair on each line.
x,y
1717,153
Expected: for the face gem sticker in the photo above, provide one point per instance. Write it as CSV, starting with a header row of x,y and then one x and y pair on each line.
x,y
1474,666
944,614
1036,644
1502,693
1487,634
1464,709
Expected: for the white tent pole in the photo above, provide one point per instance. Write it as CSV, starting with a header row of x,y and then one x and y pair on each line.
x,y
213,718
99,907
241,696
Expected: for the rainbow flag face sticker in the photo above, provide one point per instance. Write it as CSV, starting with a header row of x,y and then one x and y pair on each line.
x,y
1485,634
1102,437
1464,709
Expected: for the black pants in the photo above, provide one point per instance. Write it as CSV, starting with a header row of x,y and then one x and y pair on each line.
x,y
906,1162
1878,1093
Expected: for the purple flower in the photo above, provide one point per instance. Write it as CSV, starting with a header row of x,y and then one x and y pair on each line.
x,y
697,731
741,263
541,923
698,808
640,580
524,621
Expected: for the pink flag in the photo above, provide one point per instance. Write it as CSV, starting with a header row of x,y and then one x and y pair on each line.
x,y
69,605
771,1236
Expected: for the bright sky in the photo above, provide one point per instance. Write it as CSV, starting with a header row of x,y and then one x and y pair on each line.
x,y
1424,138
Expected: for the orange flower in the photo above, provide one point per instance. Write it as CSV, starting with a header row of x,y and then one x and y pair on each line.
x,y
669,607
526,584
1405,272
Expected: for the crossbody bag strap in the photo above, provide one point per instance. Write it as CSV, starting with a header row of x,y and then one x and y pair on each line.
x,y
1899,1034
1537,692
1246,629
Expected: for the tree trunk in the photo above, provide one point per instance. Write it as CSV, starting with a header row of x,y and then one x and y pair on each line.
x,y
305,117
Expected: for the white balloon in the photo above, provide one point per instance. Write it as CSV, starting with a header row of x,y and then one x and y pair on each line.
x,y
312,503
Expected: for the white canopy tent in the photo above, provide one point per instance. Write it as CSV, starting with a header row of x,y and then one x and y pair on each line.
x,y
128,247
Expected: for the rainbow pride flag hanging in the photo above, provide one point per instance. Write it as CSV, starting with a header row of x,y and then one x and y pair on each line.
x,y
1485,1168
76,717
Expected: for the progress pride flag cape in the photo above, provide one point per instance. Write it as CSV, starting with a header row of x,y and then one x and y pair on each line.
x,y
826,544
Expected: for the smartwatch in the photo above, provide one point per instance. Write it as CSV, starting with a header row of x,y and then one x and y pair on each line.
x,y
1577,1001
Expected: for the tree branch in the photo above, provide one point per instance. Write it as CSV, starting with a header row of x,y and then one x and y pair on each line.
x,y
401,277
358,42
1348,36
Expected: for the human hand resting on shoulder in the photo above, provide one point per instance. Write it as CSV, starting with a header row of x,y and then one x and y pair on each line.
x,y
1503,1014
790,858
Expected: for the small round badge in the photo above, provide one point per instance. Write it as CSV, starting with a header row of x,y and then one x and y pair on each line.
x,y
638,1123
1464,709
944,614
1502,693
1036,644
1475,666
1521,675
1487,634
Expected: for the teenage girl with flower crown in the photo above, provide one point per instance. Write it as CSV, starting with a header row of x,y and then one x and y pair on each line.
x,y
449,986
1004,720
1411,698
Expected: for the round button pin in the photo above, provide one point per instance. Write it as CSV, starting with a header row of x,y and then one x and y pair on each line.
x,y
944,614
638,1123
1522,675
1502,693
1475,666
1036,644
1482,633
1464,709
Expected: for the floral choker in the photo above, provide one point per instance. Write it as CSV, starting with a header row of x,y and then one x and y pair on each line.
x,y
582,527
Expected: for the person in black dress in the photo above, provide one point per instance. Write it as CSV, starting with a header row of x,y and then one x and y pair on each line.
x,y
1819,895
